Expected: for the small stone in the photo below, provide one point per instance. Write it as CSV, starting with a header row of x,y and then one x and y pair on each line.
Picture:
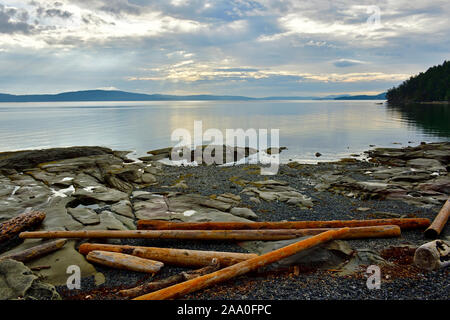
x,y
244,213
318,154
363,209
182,185
148,178
256,200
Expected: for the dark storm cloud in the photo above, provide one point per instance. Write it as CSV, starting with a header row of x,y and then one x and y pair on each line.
x,y
9,26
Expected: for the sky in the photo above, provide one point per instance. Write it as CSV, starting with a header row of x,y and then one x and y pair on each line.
x,y
255,48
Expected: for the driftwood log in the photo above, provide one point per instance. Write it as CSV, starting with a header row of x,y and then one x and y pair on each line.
x,y
124,261
241,268
228,235
25,221
432,255
176,257
167,282
403,223
36,251
439,222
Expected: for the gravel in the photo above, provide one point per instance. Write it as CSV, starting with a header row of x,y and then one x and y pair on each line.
x,y
286,284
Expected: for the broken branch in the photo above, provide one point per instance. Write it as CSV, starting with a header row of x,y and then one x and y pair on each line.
x,y
167,282
36,251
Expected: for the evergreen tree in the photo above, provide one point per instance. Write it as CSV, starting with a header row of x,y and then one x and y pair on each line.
x,y
432,85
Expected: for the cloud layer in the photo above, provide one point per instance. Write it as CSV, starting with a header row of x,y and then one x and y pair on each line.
x,y
254,48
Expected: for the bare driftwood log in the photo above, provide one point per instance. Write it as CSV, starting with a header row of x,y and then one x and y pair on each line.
x,y
25,221
404,223
439,222
177,257
36,251
229,235
167,282
432,255
241,268
124,261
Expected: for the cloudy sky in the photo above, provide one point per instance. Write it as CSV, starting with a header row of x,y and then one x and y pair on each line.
x,y
235,47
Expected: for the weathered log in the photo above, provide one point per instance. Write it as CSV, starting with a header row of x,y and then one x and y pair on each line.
x,y
229,235
36,251
124,261
25,221
167,282
439,222
405,223
432,255
241,268
176,257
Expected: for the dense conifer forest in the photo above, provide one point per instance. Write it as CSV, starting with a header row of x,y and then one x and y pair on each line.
x,y
432,85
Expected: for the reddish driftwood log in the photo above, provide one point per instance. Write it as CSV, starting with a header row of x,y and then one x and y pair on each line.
x,y
124,261
241,268
439,222
167,282
228,235
176,257
433,255
36,251
25,221
406,223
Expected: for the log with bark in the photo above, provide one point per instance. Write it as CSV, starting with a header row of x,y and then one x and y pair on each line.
x,y
175,257
214,265
36,251
228,235
439,222
124,261
241,268
25,221
432,255
403,223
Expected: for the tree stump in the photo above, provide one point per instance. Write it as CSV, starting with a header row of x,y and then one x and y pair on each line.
x,y
433,255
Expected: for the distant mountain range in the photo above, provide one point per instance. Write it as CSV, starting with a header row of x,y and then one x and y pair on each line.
x,y
381,96
115,95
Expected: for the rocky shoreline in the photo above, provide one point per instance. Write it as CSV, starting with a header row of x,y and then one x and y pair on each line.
x,y
91,188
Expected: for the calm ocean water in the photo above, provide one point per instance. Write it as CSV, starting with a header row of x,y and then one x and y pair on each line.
x,y
333,128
